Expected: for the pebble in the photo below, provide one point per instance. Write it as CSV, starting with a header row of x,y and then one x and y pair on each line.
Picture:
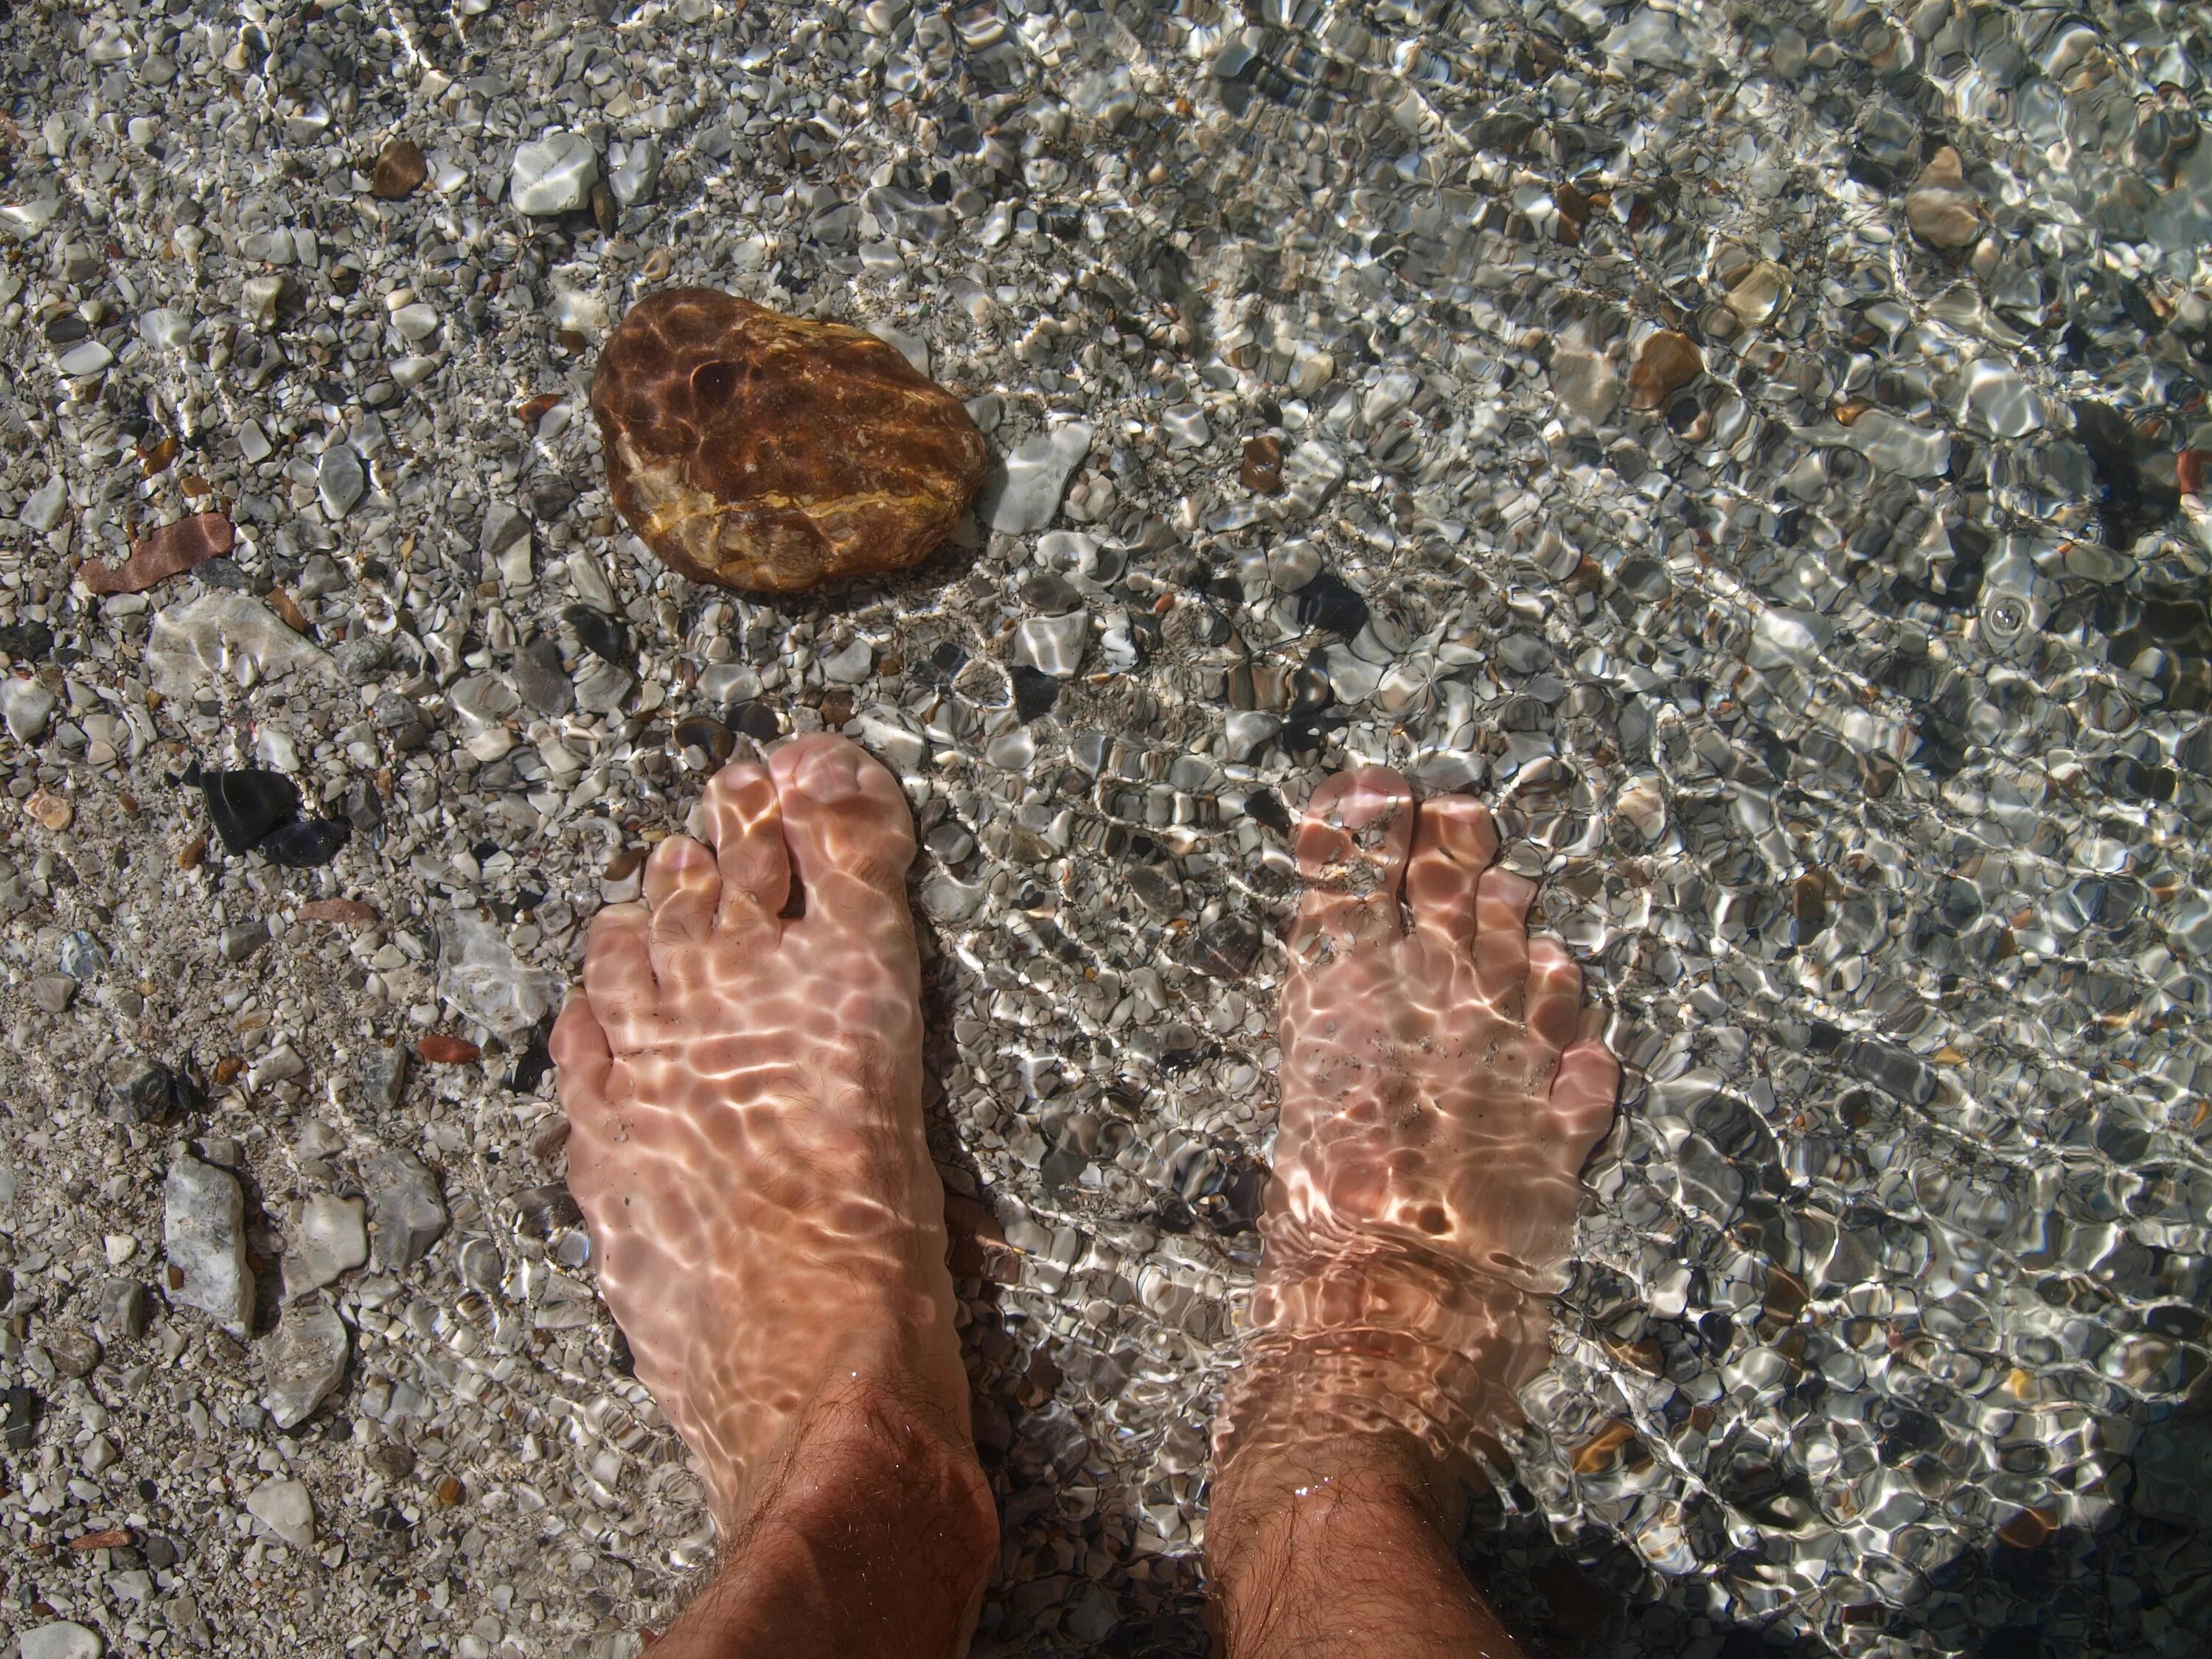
x,y
330,1238
1263,469
45,808
406,1216
1665,363
202,1233
1942,209
724,497
1025,494
1053,645
1759,292
339,480
553,175
400,170
27,705
283,1506
304,1359
172,550
59,1639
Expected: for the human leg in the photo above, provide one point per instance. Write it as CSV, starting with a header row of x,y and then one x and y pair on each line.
x,y
1439,1100
742,1073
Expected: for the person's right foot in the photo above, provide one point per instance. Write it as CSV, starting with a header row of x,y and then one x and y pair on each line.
x,y
1438,1102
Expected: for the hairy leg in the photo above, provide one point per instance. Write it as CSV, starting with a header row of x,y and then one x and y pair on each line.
x,y
742,1071
1439,1098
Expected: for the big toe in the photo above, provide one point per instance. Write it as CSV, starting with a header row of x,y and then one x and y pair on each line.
x,y
848,826
1352,841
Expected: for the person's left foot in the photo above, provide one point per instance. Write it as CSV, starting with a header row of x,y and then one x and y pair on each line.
x,y
742,1071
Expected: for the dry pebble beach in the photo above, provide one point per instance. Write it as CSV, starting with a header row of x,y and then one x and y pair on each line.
x,y
1761,447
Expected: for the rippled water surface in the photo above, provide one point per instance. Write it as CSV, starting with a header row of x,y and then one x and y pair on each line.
x,y
1757,447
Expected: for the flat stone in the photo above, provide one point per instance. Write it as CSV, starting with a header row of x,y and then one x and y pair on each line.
x,y
339,480
1053,645
400,170
406,1216
27,705
331,1238
553,175
59,1640
1025,494
1666,363
306,1359
1943,210
285,1509
769,453
1585,381
204,1232
169,551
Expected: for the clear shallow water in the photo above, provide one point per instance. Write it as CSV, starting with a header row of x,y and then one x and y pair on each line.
x,y
1784,524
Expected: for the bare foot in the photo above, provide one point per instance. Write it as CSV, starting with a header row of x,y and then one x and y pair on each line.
x,y
745,1087
1439,1100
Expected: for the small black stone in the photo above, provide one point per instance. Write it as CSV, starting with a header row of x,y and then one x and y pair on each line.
x,y
1265,805
22,1417
1240,1197
757,721
306,843
1328,601
1035,692
1227,949
539,1210
27,641
364,808
245,805
66,329
941,664
543,683
157,1093
706,734
160,1552
602,636
549,497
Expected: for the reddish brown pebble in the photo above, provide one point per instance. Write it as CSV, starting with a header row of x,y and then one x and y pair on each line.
x,y
176,1278
1667,362
446,1050
193,485
773,454
400,170
2192,471
1262,472
108,1538
2030,1529
44,806
283,604
1600,1452
228,1067
195,850
537,409
155,459
337,909
450,1492
169,551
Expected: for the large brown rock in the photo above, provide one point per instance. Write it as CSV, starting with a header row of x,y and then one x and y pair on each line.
x,y
771,454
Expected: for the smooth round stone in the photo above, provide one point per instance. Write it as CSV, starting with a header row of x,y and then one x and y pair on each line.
x,y
59,1640
772,455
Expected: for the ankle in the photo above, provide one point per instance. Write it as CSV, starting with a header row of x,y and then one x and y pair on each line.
x,y
874,1531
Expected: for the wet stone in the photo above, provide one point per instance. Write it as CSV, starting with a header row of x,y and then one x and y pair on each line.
x,y
771,454
204,1235
244,805
304,1360
541,679
406,1215
1666,363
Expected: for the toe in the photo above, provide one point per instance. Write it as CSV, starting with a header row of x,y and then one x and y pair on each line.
x,y
583,1063
847,825
1583,1093
1352,842
1501,938
1555,994
619,973
739,816
1454,841
683,889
